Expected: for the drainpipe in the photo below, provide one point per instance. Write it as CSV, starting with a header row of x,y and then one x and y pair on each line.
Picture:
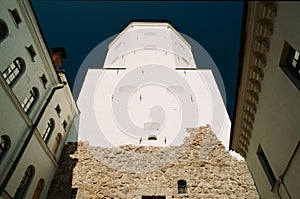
x,y
26,142
281,177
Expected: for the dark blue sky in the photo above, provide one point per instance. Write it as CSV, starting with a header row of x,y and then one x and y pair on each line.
x,y
79,26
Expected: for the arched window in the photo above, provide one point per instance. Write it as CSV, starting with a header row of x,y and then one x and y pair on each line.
x,y
57,143
25,182
38,189
48,131
3,30
4,145
181,186
30,99
14,70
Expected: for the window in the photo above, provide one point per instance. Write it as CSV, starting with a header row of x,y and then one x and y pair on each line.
x,y
38,189
3,30
4,145
152,137
58,109
31,52
24,184
266,166
48,131
290,63
74,193
14,70
181,186
65,125
17,19
58,140
29,100
44,80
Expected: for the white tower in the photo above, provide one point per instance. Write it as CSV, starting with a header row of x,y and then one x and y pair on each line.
x,y
149,91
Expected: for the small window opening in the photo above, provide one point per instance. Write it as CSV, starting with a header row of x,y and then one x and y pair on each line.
x,y
31,51
3,30
152,137
65,125
74,193
58,141
58,109
181,187
4,145
16,17
266,166
44,80
48,130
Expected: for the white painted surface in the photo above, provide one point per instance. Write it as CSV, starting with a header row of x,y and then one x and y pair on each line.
x,y
115,104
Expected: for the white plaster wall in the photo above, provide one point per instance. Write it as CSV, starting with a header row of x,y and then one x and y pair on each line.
x,y
158,36
277,125
14,125
45,169
163,45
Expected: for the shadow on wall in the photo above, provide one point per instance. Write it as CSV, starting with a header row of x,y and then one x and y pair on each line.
x,y
61,186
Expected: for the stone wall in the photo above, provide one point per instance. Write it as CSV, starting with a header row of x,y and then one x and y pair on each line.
x,y
134,171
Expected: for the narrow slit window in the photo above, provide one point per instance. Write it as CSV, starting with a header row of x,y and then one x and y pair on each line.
x,y
48,131
16,17
65,124
38,189
58,109
266,166
44,80
3,30
31,52
4,145
58,141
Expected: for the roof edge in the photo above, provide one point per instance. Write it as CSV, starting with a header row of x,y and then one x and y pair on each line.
x,y
240,69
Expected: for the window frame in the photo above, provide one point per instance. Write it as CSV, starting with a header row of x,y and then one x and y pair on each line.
x,y
3,30
30,99
58,140
181,187
4,146
31,51
266,166
48,131
25,183
14,70
286,64
16,17
39,189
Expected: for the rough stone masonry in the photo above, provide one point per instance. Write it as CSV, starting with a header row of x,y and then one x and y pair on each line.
x,y
130,172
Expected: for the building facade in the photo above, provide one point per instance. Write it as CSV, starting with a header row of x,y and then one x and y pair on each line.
x,y
266,126
37,107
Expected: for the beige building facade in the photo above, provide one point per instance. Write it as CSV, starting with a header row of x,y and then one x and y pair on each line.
x,y
266,125
37,107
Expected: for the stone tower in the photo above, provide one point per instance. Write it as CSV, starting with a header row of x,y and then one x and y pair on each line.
x,y
153,126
